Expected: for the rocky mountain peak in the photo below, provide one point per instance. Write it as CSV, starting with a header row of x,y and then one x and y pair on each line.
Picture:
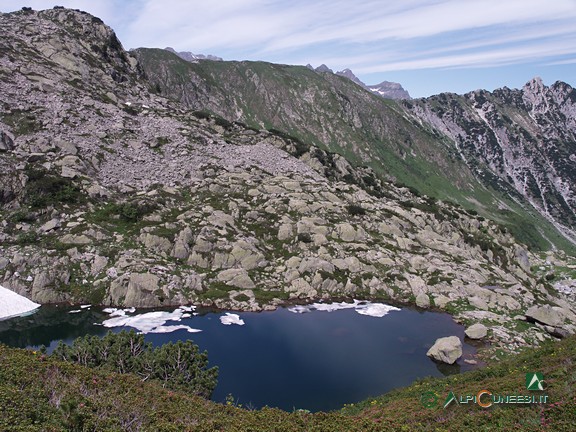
x,y
68,43
542,99
386,89
518,141
191,57
347,73
534,85
389,90
323,68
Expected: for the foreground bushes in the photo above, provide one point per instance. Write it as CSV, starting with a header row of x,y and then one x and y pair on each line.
x,y
41,393
176,365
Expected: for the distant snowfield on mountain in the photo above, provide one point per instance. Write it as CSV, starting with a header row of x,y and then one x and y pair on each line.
x,y
12,304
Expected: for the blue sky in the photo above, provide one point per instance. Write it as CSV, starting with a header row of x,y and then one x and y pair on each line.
x,y
429,46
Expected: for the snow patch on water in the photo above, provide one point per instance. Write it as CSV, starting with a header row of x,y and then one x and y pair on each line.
x,y
231,318
149,322
377,310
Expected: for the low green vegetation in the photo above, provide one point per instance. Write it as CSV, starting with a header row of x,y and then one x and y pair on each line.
x,y
177,365
42,393
44,189
126,212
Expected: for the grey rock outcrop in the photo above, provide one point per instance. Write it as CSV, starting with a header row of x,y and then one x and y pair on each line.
x,y
548,315
476,331
446,350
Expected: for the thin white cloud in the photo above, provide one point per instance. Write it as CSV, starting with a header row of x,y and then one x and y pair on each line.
x,y
432,19
493,58
562,62
371,35
491,49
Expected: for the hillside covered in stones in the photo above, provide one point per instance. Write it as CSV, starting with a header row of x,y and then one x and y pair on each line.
x,y
504,155
112,194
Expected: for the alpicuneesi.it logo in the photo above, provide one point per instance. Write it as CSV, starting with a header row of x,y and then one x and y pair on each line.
x,y
485,398
534,381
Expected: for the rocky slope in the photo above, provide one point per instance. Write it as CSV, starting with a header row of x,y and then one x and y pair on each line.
x,y
114,195
524,140
338,115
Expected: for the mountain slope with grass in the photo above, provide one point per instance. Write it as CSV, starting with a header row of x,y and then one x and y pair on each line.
x,y
336,114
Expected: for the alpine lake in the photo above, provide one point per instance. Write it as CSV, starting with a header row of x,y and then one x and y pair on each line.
x,y
290,358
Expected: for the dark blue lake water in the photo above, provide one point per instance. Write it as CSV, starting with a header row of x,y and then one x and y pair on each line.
x,y
315,361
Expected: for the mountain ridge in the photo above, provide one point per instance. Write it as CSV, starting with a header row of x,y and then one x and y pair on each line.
x,y
527,137
335,113
191,57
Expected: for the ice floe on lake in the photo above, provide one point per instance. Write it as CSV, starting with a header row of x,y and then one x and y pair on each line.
x,y
13,305
377,310
149,322
231,318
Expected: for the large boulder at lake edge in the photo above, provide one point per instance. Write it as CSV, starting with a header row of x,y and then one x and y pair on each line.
x,y
446,350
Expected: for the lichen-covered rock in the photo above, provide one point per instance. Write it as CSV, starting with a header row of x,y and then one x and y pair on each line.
x,y
548,315
446,350
422,300
143,291
156,243
236,277
52,224
476,331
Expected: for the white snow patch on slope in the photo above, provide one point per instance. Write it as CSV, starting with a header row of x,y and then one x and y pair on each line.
x,y
13,305
376,90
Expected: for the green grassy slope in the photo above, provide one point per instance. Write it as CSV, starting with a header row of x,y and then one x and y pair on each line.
x,y
334,113
40,394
